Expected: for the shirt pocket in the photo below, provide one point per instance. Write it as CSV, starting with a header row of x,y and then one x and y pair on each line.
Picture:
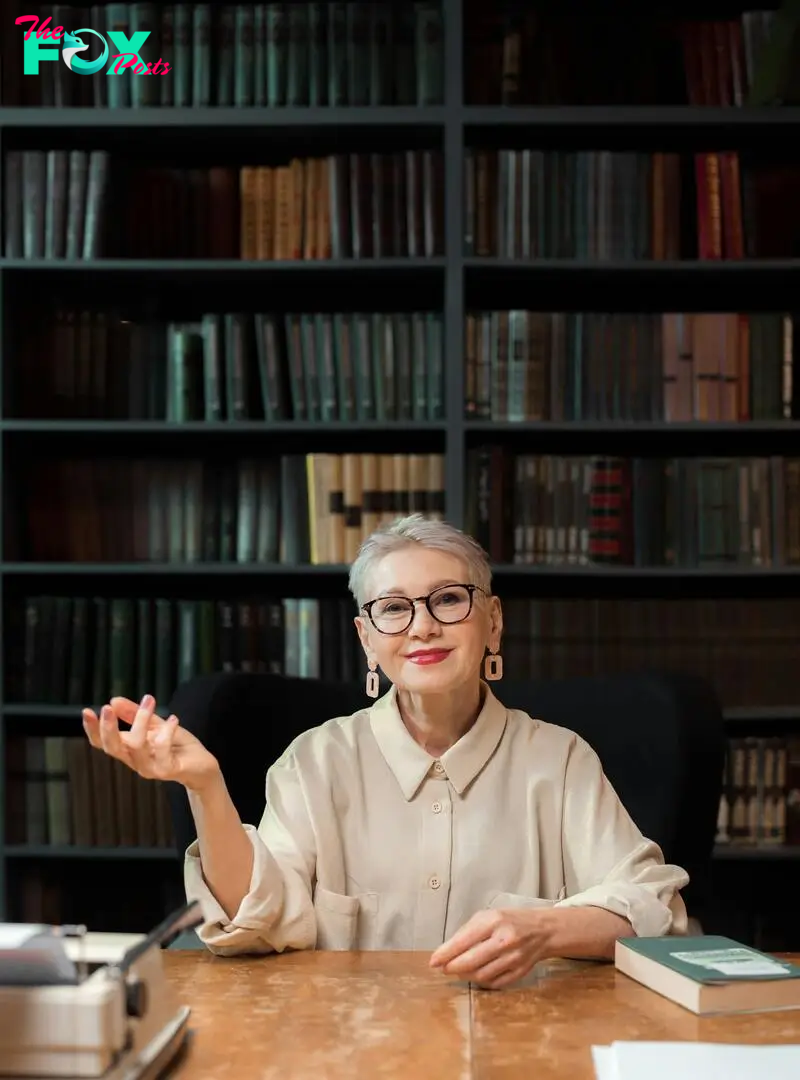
x,y
516,900
342,920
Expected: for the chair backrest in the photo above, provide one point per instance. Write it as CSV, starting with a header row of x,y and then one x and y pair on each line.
x,y
659,737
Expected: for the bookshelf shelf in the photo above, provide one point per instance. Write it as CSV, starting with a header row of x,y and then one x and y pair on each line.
x,y
176,569
762,713
46,851
228,267
223,429
503,570
224,118
650,117
765,852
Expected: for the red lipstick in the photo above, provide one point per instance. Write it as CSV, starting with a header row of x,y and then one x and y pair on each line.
x,y
428,656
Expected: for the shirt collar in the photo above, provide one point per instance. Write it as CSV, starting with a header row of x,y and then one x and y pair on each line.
x,y
462,762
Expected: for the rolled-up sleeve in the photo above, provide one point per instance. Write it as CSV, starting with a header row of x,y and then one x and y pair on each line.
x,y
607,861
278,912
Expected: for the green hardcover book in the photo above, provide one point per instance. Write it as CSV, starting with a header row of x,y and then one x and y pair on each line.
x,y
119,87
710,974
358,53
317,54
144,88
181,60
201,55
337,54
166,83
225,54
277,49
297,56
244,56
260,55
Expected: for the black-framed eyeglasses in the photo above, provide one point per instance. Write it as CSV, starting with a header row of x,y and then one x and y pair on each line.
x,y
448,604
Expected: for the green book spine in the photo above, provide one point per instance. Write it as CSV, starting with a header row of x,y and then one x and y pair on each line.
x,y
166,82
343,365
308,340
430,54
225,55
145,90
298,55
358,53
323,325
317,53
380,55
181,72
337,53
260,55
277,40
119,85
201,55
243,56
100,637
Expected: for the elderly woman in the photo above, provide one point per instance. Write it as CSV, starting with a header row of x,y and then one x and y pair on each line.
x,y
434,818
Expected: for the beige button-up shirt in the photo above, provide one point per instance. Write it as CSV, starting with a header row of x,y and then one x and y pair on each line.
x,y
367,842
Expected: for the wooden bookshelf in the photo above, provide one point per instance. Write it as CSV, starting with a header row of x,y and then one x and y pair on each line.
x,y
451,284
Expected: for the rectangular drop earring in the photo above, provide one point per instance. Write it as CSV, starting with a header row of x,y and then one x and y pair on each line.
x,y
493,667
373,682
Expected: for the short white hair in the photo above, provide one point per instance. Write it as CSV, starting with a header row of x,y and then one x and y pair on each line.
x,y
428,533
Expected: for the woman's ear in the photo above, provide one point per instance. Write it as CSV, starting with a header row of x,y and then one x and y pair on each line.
x,y
495,624
362,629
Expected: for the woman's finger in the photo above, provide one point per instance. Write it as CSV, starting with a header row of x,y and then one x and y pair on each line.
x,y
91,725
473,959
109,735
161,748
126,709
499,972
137,737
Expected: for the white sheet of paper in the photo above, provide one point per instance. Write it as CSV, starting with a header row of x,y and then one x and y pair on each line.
x,y
12,935
695,1061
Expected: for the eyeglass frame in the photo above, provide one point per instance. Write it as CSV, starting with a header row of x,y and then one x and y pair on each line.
x,y
426,600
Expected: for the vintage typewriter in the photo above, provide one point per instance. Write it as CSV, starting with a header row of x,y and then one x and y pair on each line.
x,y
79,1004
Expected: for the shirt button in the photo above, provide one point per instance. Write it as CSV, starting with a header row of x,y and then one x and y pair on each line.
x,y
438,767
434,883
437,808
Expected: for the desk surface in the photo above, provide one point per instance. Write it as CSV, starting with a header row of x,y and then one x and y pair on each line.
x,y
314,1015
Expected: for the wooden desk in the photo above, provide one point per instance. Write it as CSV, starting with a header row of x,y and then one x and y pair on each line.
x,y
326,1016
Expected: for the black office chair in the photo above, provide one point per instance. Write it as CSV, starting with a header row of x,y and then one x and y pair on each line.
x,y
659,737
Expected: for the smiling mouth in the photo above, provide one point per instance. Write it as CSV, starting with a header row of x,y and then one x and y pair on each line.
x,y
429,656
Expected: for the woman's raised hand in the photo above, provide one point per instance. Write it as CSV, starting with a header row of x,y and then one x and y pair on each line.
x,y
154,748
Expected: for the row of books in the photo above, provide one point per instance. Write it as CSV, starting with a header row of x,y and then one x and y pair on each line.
x,y
760,800
746,648
61,792
607,204
574,366
519,365
85,648
687,512
292,509
274,54
58,205
81,650
54,203
234,366
650,56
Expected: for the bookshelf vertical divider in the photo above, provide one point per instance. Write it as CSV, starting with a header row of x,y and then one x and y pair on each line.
x,y
454,266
